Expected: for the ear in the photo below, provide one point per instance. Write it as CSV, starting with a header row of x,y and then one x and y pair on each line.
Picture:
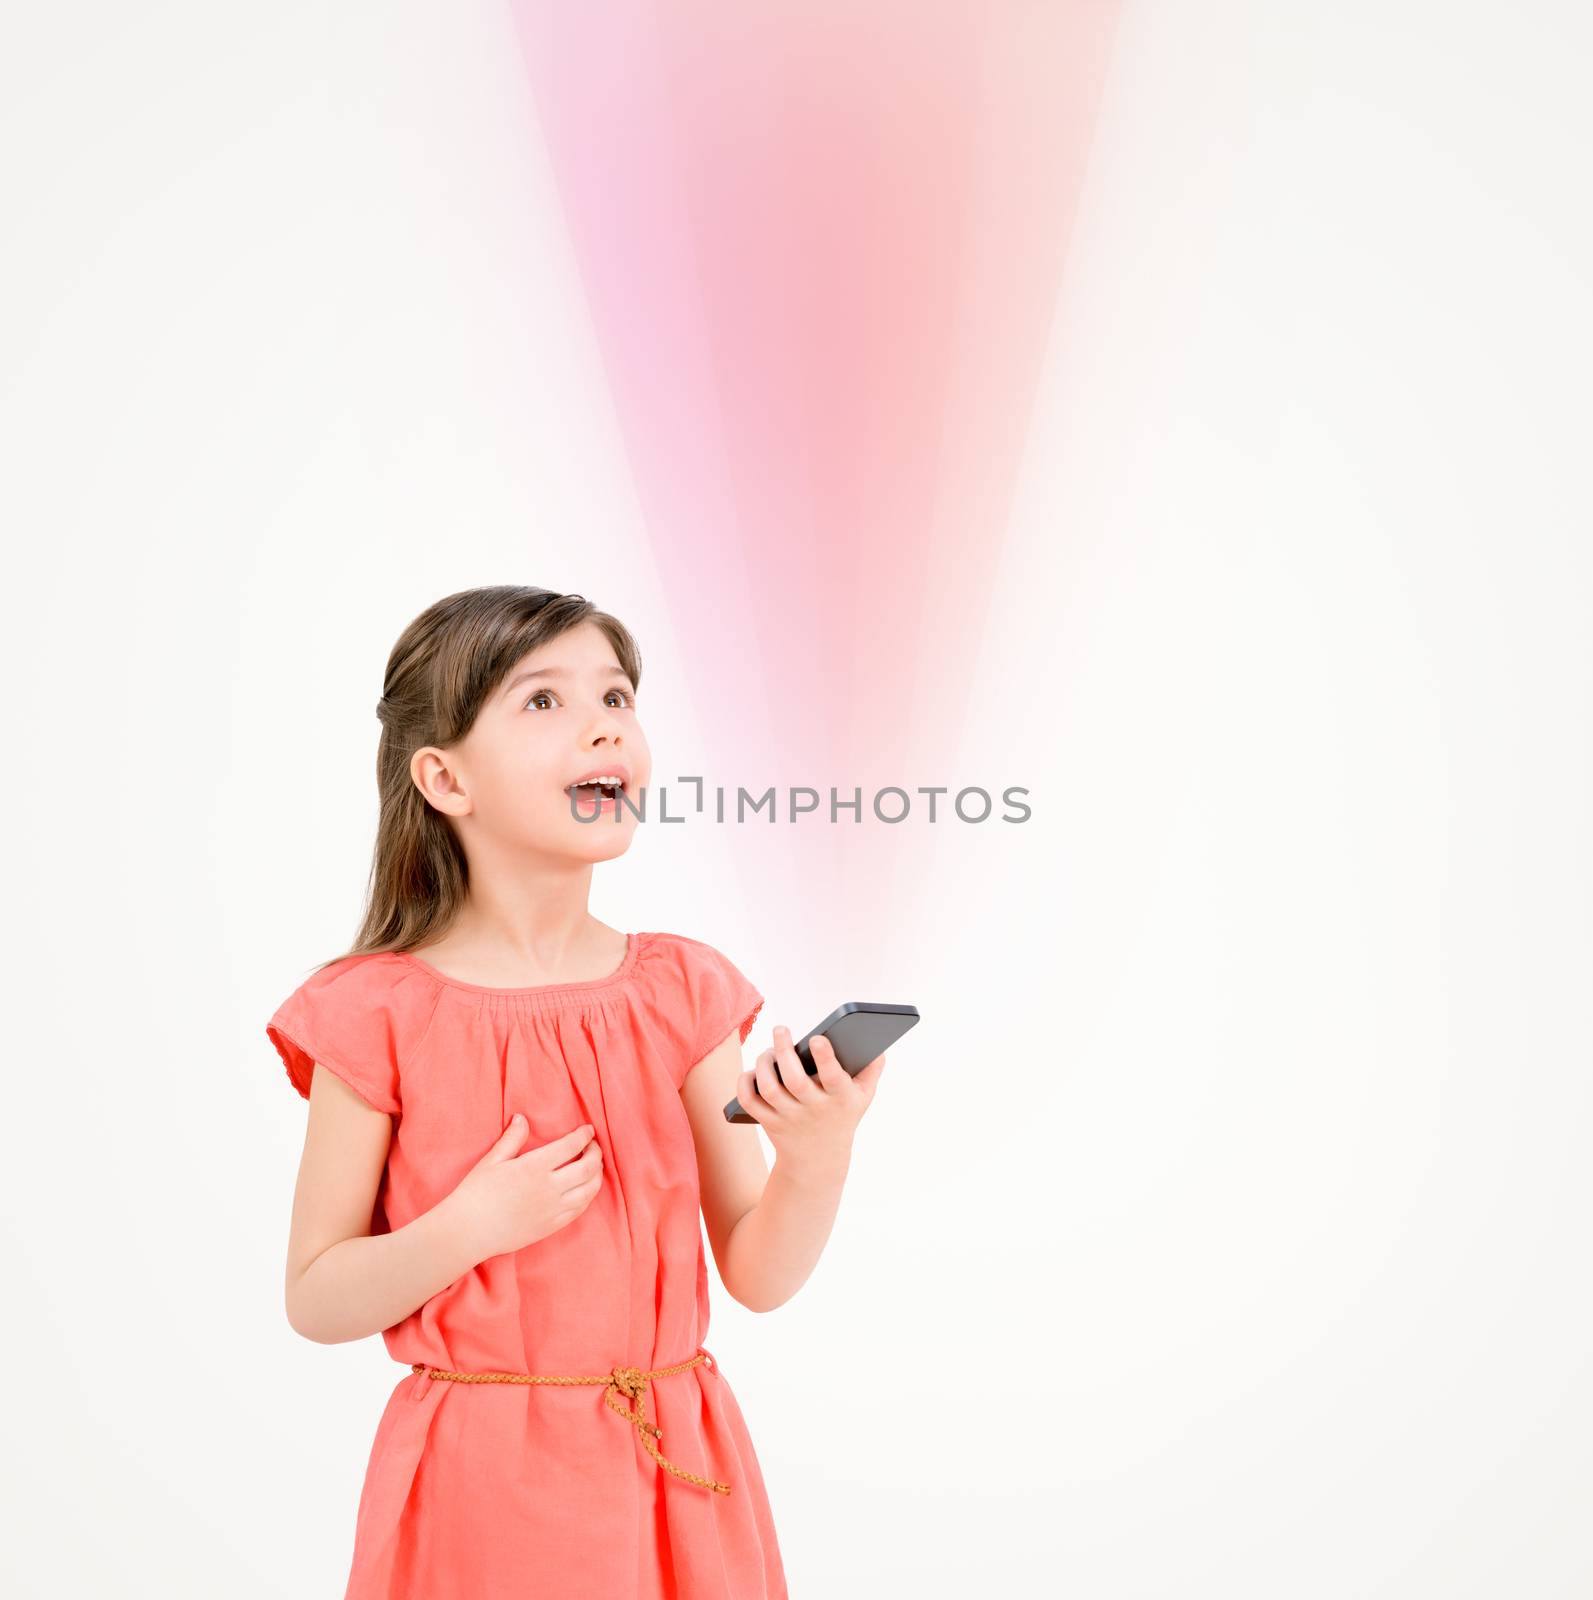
x,y
435,775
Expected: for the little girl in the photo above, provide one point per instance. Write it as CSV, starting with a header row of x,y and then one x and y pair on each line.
x,y
517,1113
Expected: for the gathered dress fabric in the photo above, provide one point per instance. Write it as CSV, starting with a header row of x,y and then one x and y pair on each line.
x,y
482,1491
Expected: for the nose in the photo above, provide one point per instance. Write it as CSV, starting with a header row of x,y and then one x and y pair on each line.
x,y
605,724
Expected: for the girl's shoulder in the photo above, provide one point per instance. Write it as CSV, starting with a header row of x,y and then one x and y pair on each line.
x,y
357,1016
685,962
700,990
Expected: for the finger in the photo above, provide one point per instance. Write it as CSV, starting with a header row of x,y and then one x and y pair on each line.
x,y
798,1081
771,1077
775,1095
749,1099
831,1073
580,1195
869,1075
588,1169
563,1150
505,1146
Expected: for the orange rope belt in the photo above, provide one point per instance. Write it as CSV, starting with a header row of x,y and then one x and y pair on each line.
x,y
629,1382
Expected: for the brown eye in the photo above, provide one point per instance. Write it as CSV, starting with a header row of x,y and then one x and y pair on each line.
x,y
626,698
541,694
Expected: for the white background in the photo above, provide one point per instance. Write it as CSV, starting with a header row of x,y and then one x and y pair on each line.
x,y
1226,1237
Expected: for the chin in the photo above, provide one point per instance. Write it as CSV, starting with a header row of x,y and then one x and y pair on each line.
x,y
602,841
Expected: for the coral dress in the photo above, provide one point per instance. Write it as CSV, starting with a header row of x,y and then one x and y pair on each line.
x,y
482,1491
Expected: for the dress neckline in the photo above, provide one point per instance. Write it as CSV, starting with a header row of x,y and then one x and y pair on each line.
x,y
549,990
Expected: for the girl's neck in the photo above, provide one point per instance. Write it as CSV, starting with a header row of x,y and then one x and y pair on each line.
x,y
482,949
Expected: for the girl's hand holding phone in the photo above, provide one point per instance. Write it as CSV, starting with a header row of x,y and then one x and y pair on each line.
x,y
511,1199
810,1117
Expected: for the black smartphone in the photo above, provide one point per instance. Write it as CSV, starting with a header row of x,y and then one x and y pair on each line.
x,y
858,1030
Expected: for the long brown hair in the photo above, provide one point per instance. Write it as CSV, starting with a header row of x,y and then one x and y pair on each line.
x,y
440,673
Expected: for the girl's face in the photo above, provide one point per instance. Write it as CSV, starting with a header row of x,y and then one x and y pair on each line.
x,y
565,712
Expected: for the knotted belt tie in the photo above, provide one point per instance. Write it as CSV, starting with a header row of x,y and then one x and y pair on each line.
x,y
629,1382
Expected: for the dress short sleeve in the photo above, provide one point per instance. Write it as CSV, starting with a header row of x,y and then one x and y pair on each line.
x,y
348,1016
722,998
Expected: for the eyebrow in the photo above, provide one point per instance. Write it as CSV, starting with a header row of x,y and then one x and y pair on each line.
x,y
553,672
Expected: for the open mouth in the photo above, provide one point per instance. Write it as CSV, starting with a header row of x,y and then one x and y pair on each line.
x,y
595,789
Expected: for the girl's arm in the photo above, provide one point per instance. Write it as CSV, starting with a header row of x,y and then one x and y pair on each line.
x,y
343,1282
768,1229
